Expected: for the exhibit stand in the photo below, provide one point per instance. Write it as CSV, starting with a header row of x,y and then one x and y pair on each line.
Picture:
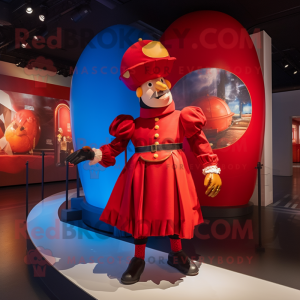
x,y
79,263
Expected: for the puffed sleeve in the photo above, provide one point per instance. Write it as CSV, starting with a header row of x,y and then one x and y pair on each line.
x,y
193,120
122,128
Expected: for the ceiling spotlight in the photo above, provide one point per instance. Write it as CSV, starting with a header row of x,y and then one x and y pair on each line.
x,y
29,9
24,45
80,13
43,13
284,63
295,72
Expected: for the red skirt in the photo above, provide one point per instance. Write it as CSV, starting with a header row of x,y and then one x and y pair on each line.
x,y
155,198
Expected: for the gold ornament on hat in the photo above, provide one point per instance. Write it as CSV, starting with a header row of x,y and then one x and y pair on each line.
x,y
126,74
155,49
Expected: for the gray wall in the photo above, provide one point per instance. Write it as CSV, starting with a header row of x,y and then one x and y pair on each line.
x,y
285,106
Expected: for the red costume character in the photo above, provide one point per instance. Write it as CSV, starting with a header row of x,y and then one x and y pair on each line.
x,y
155,194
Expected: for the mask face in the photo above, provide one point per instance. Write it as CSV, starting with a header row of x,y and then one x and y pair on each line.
x,y
156,93
24,132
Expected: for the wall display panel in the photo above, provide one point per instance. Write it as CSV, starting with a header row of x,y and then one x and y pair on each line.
x,y
295,140
29,125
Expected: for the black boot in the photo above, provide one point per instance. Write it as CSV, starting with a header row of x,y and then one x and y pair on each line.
x,y
134,271
182,263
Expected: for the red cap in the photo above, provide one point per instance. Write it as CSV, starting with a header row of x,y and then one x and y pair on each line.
x,y
143,61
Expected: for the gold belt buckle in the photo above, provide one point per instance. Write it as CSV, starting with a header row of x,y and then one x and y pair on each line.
x,y
153,148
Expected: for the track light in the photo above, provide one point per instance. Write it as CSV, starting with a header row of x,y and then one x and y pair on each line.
x,y
21,64
43,13
63,72
289,66
41,32
29,8
80,13
285,64
24,45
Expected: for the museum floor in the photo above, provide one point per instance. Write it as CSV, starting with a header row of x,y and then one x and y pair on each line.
x,y
221,243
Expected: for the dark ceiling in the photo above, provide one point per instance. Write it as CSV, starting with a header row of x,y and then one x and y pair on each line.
x,y
280,19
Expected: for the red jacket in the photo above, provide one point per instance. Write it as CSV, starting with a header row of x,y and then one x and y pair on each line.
x,y
155,194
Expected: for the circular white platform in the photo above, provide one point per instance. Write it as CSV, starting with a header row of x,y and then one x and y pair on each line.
x,y
92,264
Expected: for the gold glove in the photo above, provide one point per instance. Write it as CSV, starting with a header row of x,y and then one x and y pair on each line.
x,y
213,183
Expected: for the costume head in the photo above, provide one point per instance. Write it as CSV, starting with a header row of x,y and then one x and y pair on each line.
x,y
144,67
24,132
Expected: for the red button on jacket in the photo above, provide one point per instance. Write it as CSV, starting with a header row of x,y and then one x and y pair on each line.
x,y
156,196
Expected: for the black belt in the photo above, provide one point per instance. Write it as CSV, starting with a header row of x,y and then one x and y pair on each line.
x,y
154,148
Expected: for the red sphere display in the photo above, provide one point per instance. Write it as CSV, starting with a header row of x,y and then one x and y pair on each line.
x,y
24,132
217,112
